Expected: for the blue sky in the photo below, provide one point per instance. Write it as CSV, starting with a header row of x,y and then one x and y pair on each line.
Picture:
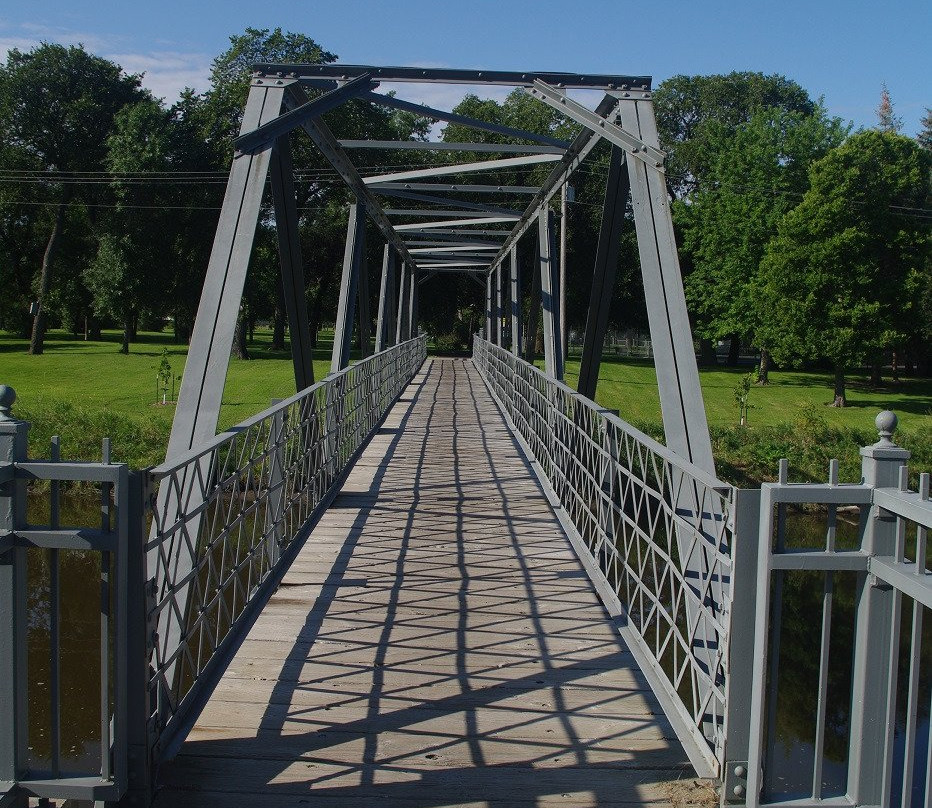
x,y
843,51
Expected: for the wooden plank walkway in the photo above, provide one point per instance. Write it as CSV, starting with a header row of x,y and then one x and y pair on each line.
x,y
435,643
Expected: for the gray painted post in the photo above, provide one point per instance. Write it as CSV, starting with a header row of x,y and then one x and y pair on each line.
x,y
489,313
876,637
550,296
741,628
13,615
289,252
499,305
533,319
386,300
365,316
515,301
401,320
346,307
415,300
617,189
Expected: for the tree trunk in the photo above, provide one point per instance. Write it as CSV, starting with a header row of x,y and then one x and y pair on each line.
x,y
37,341
127,331
707,356
93,329
239,350
763,371
894,372
840,400
876,374
734,351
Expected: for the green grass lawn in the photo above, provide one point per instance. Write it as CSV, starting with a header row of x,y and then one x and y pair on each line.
x,y
86,390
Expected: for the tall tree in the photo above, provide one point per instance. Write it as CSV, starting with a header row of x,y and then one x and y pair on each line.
x,y
692,110
925,134
759,173
842,276
887,121
58,105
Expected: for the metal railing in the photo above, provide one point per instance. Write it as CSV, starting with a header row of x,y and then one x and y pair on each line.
x,y
226,514
640,512
225,521
884,567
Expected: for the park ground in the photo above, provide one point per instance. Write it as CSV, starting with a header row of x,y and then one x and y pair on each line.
x,y
84,391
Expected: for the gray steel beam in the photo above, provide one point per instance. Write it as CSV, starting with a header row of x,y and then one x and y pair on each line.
x,y
423,75
413,304
453,242
289,252
429,232
433,145
445,200
583,143
365,315
209,353
681,404
454,223
617,190
464,120
504,214
383,329
530,339
454,249
450,264
283,124
401,319
433,187
499,306
632,144
515,279
349,283
550,296
320,133
489,314
462,168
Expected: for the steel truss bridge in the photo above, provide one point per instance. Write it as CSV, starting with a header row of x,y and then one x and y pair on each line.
x,y
457,582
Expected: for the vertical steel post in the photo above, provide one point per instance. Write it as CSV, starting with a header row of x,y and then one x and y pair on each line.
x,y
499,305
550,296
533,317
365,314
515,301
292,265
563,221
14,618
349,281
489,314
617,189
401,320
139,596
876,640
415,300
739,685
383,329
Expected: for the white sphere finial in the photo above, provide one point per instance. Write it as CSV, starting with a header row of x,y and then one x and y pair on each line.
x,y
7,397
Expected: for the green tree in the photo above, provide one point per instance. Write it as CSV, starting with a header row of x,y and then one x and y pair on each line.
x,y
841,278
759,173
135,249
925,135
694,110
58,104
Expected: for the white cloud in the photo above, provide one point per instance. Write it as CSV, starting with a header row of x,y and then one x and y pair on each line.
x,y
166,72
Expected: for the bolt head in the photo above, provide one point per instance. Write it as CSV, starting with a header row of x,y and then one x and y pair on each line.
x,y
740,771
738,791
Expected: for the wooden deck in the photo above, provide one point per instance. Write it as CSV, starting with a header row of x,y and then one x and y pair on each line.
x,y
436,643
